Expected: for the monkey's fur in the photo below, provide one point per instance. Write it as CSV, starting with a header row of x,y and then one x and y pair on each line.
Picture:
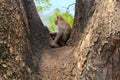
x,y
64,31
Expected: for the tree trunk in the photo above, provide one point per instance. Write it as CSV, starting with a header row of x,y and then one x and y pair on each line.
x,y
98,51
95,39
83,11
21,40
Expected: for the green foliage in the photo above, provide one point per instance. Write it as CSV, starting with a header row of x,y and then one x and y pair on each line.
x,y
43,4
47,1
39,8
66,15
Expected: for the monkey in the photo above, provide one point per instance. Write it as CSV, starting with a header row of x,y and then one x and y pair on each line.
x,y
63,34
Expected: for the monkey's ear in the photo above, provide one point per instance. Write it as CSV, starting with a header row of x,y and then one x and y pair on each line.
x,y
57,17
56,22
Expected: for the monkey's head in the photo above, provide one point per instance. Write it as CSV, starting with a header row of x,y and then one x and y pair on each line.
x,y
58,19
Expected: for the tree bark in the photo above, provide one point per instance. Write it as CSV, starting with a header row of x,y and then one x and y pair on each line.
x,y
24,43
83,11
21,40
98,51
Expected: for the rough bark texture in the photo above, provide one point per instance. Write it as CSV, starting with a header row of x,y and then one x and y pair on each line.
x,y
83,11
98,52
39,33
24,43
13,41
21,40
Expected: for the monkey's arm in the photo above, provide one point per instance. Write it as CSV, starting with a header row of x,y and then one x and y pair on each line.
x,y
55,41
53,35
